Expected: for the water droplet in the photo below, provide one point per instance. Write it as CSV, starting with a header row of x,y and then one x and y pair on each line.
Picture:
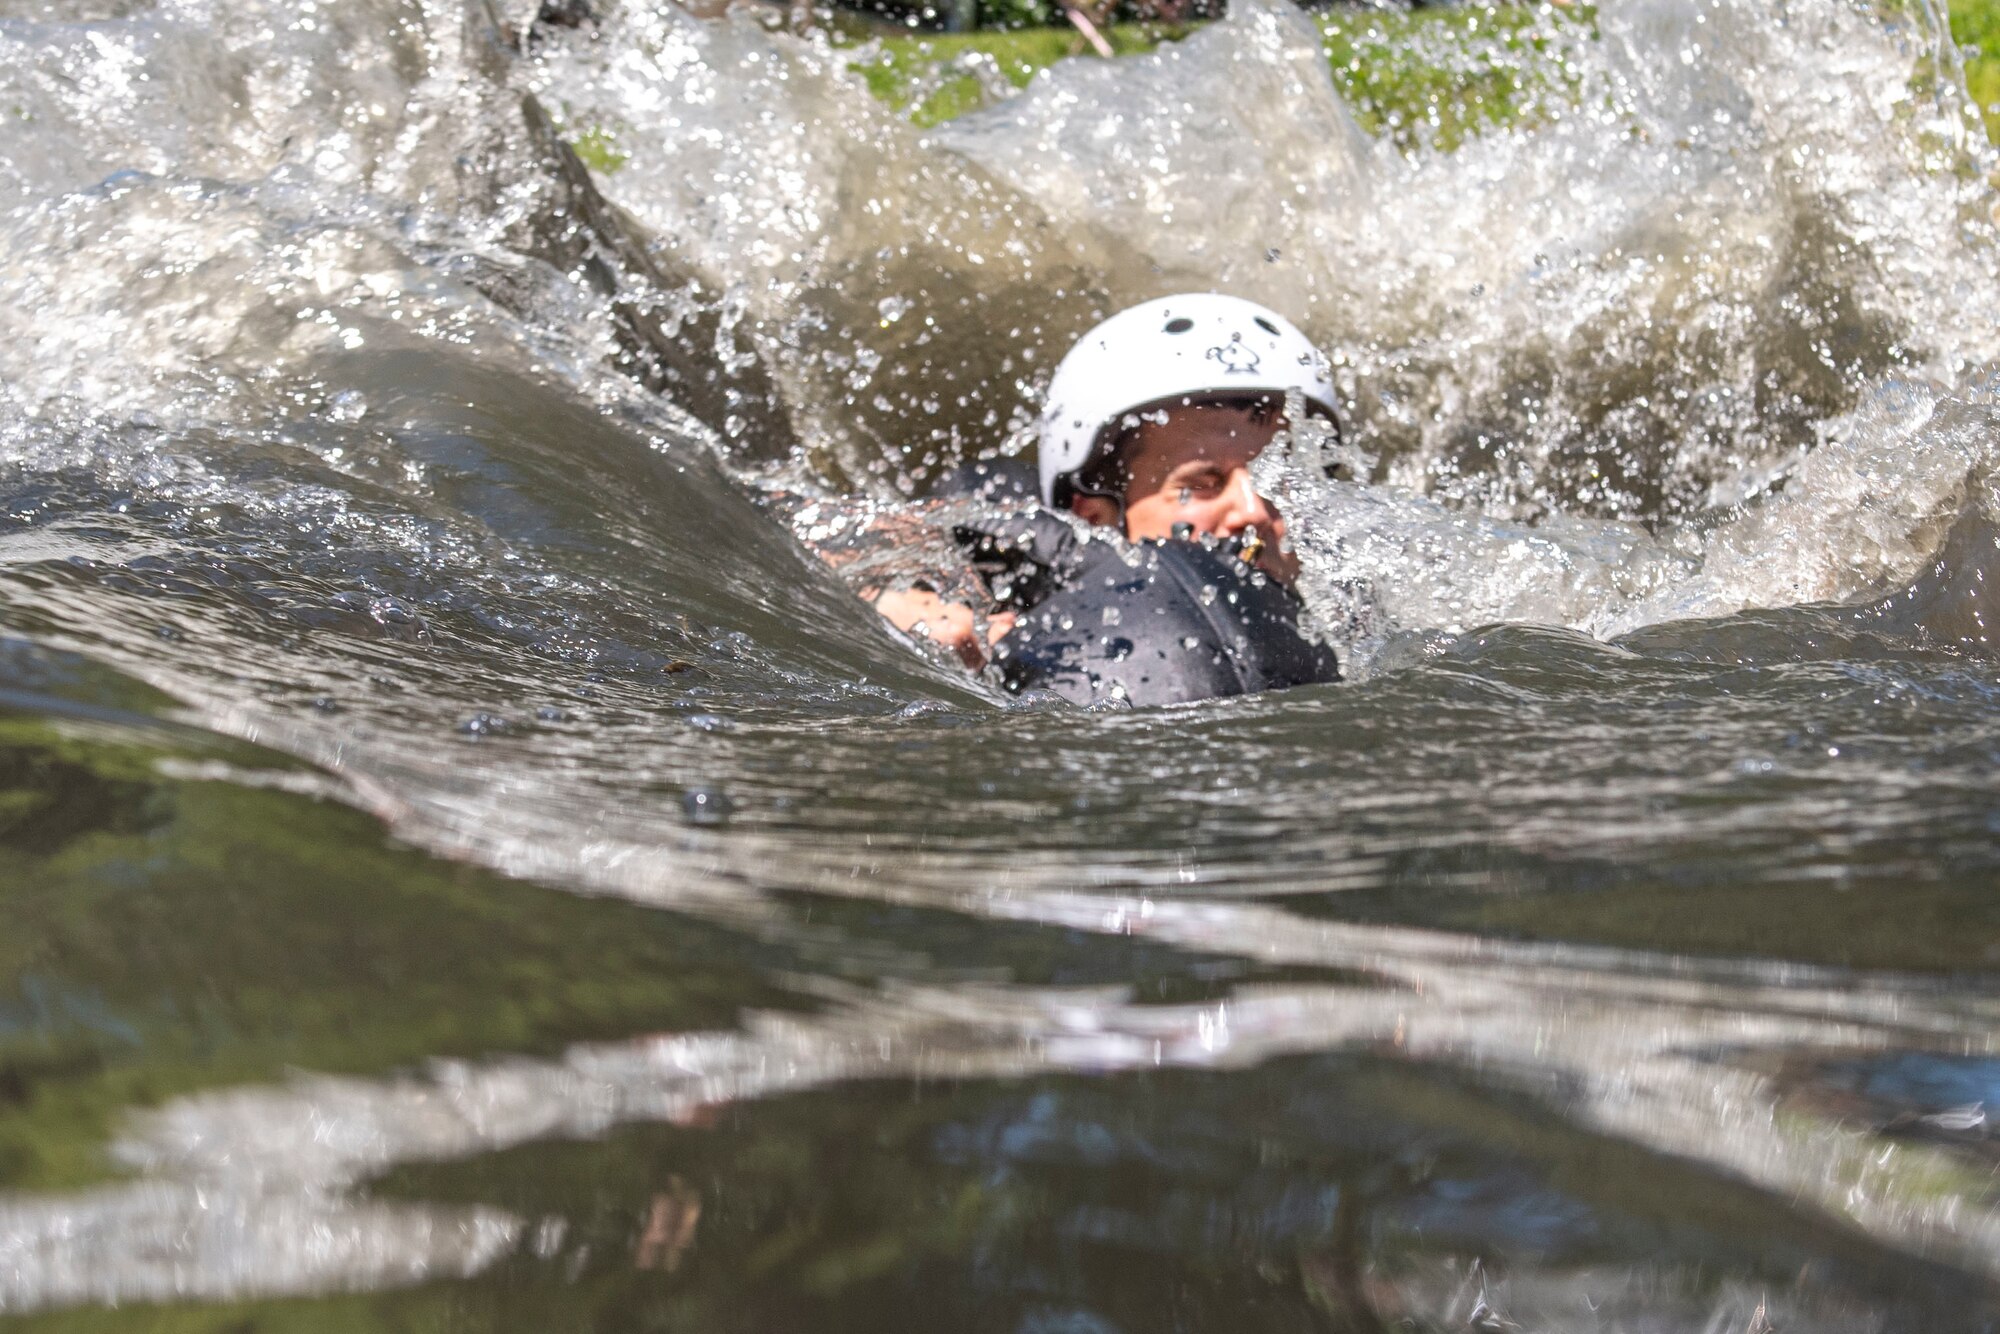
x,y
1036,700
484,724
399,619
706,806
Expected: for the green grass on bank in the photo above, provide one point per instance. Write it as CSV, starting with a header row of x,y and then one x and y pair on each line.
x,y
1435,74
935,77
1430,74
1975,26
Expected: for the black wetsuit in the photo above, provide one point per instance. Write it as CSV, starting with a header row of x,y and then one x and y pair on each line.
x,y
1161,622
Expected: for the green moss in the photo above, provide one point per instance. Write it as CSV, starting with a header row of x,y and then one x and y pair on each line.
x,y
599,151
594,142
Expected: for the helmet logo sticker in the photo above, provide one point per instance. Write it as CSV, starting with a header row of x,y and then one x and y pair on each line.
x,y
1236,359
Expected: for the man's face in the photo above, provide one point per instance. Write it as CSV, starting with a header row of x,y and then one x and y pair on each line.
x,y
1193,468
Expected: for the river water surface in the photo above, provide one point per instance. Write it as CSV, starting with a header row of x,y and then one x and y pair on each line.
x,y
466,865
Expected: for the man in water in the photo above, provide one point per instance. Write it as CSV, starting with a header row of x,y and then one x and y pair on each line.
x,y
1152,422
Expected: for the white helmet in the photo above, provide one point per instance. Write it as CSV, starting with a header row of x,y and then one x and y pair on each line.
x,y
1179,348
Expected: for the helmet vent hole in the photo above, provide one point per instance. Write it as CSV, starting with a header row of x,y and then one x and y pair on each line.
x,y
1266,325
1182,325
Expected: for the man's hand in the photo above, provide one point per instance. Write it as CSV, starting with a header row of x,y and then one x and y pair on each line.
x,y
917,611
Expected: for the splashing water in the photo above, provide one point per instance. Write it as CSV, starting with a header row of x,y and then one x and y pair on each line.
x,y
1616,949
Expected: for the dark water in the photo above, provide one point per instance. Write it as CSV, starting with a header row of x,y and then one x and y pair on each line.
x,y
466,865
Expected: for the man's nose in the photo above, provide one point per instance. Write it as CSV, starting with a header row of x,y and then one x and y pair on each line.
x,y
1246,507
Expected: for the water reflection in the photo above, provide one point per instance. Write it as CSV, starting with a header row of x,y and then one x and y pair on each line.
x,y
1334,1192
1018,1104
